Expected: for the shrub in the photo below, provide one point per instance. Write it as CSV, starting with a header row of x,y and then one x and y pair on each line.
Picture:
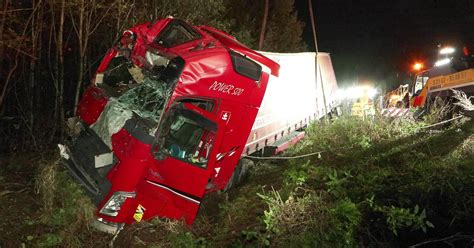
x,y
309,219
399,164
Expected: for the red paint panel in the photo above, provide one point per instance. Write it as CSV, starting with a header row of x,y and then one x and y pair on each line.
x,y
91,105
417,101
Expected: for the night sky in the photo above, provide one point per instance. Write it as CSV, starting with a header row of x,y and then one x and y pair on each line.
x,y
377,41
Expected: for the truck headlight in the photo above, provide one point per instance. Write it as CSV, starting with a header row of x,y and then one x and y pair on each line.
x,y
113,205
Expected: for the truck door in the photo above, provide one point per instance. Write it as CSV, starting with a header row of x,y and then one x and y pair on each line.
x,y
184,151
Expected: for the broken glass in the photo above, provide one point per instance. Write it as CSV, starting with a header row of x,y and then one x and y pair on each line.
x,y
145,100
136,92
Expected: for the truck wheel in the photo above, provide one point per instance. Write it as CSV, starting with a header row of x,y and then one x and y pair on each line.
x,y
239,173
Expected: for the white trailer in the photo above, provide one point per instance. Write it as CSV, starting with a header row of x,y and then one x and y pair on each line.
x,y
304,91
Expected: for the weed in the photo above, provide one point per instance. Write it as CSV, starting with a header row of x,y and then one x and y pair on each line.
x,y
439,110
297,175
308,219
396,163
46,184
349,217
335,182
50,240
65,207
319,201
261,238
398,217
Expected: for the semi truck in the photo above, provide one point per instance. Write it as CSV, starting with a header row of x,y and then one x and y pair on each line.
x,y
172,110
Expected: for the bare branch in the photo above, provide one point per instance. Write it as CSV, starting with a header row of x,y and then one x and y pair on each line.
x,y
72,21
21,51
2,25
455,237
15,10
15,65
101,19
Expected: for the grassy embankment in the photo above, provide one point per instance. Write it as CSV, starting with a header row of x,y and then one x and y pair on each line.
x,y
380,183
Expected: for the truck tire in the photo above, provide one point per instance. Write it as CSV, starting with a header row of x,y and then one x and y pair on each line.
x,y
239,173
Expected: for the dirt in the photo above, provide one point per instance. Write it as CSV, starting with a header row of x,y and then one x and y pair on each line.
x,y
20,208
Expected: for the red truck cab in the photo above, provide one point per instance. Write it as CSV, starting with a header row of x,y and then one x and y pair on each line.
x,y
165,121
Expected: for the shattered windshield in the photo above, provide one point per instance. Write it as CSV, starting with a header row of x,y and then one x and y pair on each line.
x,y
138,93
147,99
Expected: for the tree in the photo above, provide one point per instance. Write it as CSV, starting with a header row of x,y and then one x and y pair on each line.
x,y
283,30
16,42
284,33
86,18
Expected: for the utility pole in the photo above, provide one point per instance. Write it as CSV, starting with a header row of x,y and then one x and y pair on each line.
x,y
264,25
313,25
318,68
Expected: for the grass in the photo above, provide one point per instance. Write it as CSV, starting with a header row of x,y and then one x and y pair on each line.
x,y
389,172
380,183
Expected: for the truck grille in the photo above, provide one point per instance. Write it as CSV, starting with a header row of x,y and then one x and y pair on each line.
x,y
81,164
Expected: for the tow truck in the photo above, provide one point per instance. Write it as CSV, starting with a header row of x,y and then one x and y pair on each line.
x,y
172,110
451,72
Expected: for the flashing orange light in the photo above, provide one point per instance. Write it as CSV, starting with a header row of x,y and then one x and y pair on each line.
x,y
417,66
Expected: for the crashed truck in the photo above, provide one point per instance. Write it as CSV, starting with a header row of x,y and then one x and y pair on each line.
x,y
173,109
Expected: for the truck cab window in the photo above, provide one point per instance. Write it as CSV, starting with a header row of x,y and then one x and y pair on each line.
x,y
202,104
176,33
187,136
420,82
245,66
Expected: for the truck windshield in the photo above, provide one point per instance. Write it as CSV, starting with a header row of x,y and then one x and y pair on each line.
x,y
147,99
187,136
143,102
